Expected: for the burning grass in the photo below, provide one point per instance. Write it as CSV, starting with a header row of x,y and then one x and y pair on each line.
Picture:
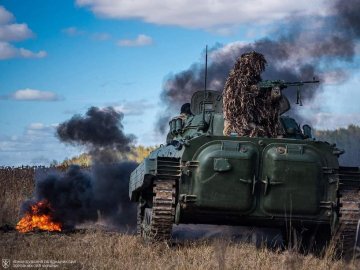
x,y
39,216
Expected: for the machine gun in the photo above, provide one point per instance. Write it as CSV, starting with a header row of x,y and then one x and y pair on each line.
x,y
278,85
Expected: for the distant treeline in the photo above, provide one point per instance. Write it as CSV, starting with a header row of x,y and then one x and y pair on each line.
x,y
345,138
136,154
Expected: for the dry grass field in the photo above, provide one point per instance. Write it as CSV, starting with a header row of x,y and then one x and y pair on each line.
x,y
96,248
16,185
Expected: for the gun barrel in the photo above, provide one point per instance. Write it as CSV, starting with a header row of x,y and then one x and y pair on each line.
x,y
301,82
282,84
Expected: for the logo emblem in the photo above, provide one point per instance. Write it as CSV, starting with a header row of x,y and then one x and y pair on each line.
x,y
5,263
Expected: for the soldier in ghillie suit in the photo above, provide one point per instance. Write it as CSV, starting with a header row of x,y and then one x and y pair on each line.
x,y
248,109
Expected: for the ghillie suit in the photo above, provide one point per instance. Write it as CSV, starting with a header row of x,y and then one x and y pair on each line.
x,y
249,110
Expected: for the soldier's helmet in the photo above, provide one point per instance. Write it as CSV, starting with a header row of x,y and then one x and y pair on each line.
x,y
185,108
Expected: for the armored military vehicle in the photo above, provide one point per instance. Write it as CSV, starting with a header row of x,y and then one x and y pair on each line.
x,y
200,176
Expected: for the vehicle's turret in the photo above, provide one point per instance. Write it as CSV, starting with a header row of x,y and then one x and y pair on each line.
x,y
206,117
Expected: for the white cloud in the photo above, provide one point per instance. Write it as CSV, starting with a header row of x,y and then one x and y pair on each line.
x,y
29,54
101,36
73,31
336,105
36,126
5,16
336,76
38,129
331,121
8,51
33,95
140,40
15,32
12,32
226,51
37,140
205,14
151,137
137,107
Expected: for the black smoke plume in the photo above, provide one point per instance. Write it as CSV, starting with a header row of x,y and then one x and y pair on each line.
x,y
98,193
80,195
100,128
302,48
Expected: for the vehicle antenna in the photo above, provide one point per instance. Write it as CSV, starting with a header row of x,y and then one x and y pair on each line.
x,y
205,86
206,58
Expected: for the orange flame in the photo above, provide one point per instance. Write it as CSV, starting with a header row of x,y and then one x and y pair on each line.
x,y
39,217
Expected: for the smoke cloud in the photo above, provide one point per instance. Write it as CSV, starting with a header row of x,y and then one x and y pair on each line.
x,y
100,128
100,131
97,193
89,195
300,49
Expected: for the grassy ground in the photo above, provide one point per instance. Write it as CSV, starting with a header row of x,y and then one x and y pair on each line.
x,y
94,249
102,249
16,185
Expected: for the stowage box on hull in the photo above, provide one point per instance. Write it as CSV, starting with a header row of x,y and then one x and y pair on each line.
x,y
266,178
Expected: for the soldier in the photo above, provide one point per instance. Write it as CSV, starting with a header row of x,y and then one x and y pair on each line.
x,y
185,111
249,110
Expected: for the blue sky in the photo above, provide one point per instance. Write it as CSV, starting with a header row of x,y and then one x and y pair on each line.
x,y
60,57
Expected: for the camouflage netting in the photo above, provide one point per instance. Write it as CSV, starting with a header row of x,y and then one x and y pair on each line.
x,y
249,110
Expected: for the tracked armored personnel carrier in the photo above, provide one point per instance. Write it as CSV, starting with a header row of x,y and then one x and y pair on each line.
x,y
200,176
